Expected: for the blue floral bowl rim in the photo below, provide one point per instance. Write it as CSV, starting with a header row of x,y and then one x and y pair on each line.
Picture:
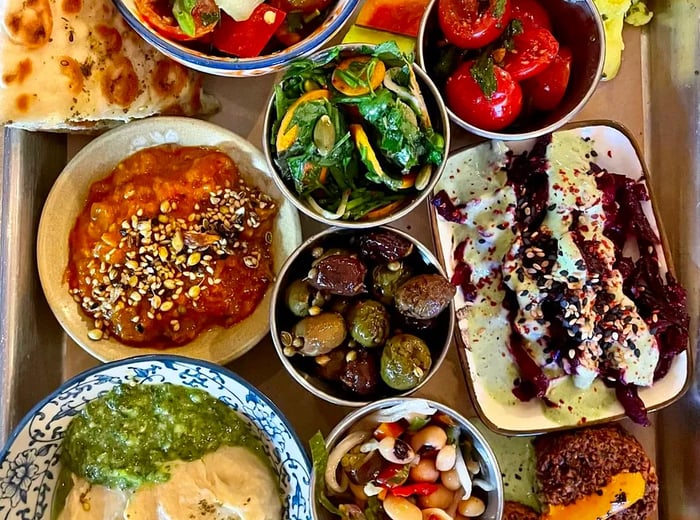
x,y
230,64
157,358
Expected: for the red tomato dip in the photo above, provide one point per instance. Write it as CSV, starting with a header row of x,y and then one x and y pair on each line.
x,y
171,243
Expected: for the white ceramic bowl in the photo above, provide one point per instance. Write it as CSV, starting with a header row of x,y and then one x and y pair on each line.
x,y
30,462
367,418
576,24
96,161
339,13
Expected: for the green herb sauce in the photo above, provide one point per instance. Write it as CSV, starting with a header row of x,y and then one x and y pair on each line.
x,y
516,458
127,437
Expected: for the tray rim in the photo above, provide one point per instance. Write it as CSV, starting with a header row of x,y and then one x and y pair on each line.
x,y
459,340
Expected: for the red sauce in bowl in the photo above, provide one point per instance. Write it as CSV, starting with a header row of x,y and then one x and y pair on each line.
x,y
171,243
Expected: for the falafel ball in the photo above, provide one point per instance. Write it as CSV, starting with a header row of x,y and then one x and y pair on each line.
x,y
518,511
577,463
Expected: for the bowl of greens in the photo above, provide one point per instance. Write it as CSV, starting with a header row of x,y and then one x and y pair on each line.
x,y
357,135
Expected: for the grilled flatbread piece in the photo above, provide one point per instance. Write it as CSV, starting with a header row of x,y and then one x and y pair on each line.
x,y
76,65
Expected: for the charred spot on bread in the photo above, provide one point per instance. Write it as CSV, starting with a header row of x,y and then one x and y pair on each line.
x,y
109,38
23,101
20,73
71,6
169,78
30,24
120,84
71,70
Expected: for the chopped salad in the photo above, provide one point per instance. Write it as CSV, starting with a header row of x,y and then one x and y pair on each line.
x,y
407,461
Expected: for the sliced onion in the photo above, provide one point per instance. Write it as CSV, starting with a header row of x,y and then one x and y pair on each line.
x,y
369,446
329,214
405,410
371,490
335,456
410,95
463,474
484,484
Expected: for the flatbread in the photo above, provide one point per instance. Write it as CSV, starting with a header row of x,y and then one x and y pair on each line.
x,y
76,65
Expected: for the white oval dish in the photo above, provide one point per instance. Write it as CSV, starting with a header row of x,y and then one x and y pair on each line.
x,y
96,161
617,153
30,462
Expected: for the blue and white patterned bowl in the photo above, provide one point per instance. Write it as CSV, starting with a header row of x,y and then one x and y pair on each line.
x,y
340,13
30,463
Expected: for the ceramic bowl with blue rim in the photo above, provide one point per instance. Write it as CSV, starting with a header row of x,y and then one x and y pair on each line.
x,y
338,15
30,463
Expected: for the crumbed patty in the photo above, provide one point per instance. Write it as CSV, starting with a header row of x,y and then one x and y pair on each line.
x,y
577,463
518,511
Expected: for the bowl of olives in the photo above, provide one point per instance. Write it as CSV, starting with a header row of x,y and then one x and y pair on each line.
x,y
360,315
405,458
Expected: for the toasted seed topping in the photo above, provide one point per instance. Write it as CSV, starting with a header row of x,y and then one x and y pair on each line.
x,y
164,257
95,334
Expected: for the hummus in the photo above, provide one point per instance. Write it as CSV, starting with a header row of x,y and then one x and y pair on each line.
x,y
231,483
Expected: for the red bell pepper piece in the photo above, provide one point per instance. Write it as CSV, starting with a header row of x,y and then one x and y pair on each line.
x,y
392,475
393,429
420,488
248,38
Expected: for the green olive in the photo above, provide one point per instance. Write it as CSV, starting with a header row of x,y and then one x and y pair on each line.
x,y
369,323
386,281
298,297
405,361
320,334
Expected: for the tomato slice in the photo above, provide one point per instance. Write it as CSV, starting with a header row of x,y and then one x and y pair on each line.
x,y
546,90
469,25
466,99
159,15
532,52
531,14
248,38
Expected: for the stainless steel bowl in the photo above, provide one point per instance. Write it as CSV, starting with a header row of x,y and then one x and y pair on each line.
x,y
281,319
438,117
577,25
364,418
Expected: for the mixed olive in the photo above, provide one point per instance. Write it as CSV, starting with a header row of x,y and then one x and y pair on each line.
x,y
359,310
421,466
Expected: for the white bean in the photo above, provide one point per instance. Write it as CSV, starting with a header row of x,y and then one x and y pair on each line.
x,y
399,508
471,507
432,436
424,471
450,480
434,513
441,497
446,458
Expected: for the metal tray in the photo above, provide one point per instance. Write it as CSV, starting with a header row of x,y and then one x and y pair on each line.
x,y
656,95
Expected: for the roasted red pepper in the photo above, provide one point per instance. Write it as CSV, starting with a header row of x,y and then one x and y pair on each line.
x,y
248,38
393,429
392,475
420,488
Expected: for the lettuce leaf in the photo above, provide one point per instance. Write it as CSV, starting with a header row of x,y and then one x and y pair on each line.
x,y
319,458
